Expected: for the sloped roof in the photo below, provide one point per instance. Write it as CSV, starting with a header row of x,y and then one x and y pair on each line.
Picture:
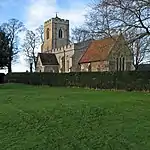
x,y
48,59
98,50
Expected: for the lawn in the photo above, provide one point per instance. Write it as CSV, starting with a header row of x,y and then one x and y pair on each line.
x,y
45,118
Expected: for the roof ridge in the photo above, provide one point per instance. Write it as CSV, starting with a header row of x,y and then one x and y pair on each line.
x,y
105,38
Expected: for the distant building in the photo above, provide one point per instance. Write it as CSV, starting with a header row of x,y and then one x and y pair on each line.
x,y
108,54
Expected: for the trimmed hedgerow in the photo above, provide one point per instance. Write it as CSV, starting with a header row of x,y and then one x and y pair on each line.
x,y
132,80
2,78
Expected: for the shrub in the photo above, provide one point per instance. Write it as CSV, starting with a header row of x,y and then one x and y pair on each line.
x,y
102,80
2,78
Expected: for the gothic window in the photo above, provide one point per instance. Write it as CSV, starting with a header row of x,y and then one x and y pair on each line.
x,y
120,63
117,64
60,33
67,65
123,64
89,68
47,33
120,68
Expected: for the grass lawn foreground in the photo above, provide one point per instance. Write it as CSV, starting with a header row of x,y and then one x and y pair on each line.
x,y
59,118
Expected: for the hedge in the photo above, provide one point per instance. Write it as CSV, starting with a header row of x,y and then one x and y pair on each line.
x,y
102,80
2,78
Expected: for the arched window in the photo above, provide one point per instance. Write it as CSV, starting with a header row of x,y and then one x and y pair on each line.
x,y
120,62
117,64
123,63
89,68
120,68
67,65
47,33
60,33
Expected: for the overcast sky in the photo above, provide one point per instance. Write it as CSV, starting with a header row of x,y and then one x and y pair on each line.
x,y
34,12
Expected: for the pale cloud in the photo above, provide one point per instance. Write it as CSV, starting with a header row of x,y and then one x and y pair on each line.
x,y
39,11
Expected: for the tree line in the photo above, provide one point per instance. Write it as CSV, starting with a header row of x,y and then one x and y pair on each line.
x,y
10,47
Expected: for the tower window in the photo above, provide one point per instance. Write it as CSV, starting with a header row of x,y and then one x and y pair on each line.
x,y
47,33
60,33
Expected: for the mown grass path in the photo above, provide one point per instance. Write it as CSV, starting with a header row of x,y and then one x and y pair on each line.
x,y
45,118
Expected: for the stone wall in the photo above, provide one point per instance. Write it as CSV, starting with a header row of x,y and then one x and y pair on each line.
x,y
39,69
39,66
64,56
95,66
80,49
100,66
51,68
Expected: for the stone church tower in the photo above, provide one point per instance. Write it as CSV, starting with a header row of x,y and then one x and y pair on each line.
x,y
56,34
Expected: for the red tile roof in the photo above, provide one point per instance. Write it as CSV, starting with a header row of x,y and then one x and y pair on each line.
x,y
98,50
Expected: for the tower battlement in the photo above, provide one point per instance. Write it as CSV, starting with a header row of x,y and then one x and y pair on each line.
x,y
63,48
57,20
47,22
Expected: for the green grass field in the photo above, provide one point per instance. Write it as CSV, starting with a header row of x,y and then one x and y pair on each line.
x,y
45,118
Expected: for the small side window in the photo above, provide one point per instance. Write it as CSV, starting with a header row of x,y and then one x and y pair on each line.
x,y
60,33
47,33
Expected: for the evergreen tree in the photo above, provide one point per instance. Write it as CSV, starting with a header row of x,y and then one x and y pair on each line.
x,y
4,50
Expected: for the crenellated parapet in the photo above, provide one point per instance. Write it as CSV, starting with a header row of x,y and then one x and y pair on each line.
x,y
47,22
63,48
56,20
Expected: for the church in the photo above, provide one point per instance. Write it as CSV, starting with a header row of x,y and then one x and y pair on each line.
x,y
59,55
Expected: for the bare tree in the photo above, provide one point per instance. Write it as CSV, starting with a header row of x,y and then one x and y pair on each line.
x,y
110,16
80,34
97,20
40,33
29,46
141,49
12,28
